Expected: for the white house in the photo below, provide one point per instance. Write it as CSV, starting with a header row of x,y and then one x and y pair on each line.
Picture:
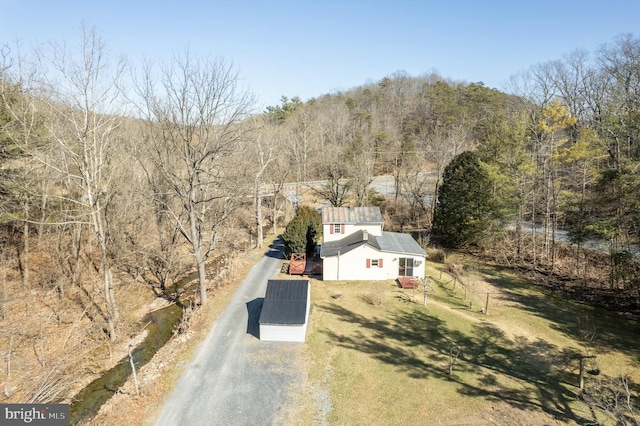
x,y
355,247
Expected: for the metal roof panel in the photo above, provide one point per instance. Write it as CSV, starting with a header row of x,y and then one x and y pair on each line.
x,y
285,302
352,215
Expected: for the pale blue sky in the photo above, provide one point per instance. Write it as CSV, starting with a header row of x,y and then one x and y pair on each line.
x,y
309,48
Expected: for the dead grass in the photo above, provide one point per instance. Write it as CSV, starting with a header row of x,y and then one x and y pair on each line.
x,y
51,347
161,374
517,364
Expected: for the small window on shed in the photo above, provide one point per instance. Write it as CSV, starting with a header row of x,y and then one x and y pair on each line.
x,y
374,263
337,228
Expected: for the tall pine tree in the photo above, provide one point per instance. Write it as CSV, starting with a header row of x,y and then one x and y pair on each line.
x,y
465,210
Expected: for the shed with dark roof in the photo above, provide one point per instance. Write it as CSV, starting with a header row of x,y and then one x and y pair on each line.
x,y
285,311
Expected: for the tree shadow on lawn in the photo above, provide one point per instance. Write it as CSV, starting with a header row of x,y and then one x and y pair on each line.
x,y
418,345
606,330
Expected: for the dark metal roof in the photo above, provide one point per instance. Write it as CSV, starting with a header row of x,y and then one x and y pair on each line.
x,y
392,242
348,243
352,215
285,302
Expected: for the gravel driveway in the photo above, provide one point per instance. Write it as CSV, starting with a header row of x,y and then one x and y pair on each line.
x,y
236,379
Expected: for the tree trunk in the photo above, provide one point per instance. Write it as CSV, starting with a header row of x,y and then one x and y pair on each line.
x,y
3,280
275,213
43,208
202,279
533,233
133,370
260,236
112,308
112,314
547,219
77,245
434,199
554,219
8,391
519,235
25,255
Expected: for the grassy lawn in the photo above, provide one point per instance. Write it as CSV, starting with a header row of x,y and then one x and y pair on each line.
x,y
377,355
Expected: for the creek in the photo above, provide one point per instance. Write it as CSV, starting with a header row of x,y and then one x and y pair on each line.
x,y
159,325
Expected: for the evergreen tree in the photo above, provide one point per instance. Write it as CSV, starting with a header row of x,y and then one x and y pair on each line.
x,y
303,232
465,209
295,237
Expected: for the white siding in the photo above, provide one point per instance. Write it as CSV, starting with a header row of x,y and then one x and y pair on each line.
x,y
348,229
418,265
330,270
353,265
283,333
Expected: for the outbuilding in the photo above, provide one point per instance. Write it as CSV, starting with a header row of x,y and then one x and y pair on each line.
x,y
285,311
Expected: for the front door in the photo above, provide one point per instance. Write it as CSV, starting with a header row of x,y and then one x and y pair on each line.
x,y
405,267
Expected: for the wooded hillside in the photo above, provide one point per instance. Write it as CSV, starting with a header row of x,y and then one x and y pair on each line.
x,y
112,189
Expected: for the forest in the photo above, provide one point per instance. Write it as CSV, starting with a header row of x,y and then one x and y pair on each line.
x,y
116,183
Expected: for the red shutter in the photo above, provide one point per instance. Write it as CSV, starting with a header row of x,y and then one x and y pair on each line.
x,y
342,229
379,263
331,228
368,263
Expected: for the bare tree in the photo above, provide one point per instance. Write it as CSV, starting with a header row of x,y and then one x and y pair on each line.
x,y
162,256
303,141
265,150
276,177
416,186
336,186
78,99
439,148
193,111
359,169
620,64
537,86
454,352
611,401
20,135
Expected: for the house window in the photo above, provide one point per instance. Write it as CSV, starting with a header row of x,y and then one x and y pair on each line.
x,y
374,263
337,228
405,267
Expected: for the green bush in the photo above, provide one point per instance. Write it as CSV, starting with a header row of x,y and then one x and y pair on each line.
x,y
303,232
